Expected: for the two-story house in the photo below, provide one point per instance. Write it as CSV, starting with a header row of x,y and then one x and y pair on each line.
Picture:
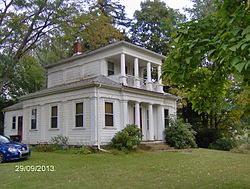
x,y
91,96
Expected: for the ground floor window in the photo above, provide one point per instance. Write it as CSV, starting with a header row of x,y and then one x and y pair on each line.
x,y
166,118
109,114
14,122
79,115
54,114
33,118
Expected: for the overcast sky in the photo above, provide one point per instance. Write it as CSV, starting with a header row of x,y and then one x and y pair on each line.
x,y
132,5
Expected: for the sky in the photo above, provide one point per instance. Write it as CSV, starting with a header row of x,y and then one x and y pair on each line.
x,y
132,5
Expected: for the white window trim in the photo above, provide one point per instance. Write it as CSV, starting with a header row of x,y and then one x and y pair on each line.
x,y
50,116
84,124
104,115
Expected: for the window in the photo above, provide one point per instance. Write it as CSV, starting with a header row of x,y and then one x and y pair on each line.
x,y
79,115
166,118
111,68
33,118
109,116
14,122
54,115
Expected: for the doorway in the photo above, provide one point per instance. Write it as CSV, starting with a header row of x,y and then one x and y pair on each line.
x,y
20,127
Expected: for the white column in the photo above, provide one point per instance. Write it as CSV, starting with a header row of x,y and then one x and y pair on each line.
x,y
160,86
123,79
149,79
136,73
150,122
124,113
160,124
137,114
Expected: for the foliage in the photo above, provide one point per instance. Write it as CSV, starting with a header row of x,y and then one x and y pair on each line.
x,y
153,25
224,143
180,135
45,148
243,148
59,140
201,8
206,136
208,53
83,150
23,24
127,139
112,9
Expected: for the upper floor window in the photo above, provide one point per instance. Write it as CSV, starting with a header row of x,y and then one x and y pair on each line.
x,y
109,115
14,122
33,118
111,68
54,115
166,117
79,115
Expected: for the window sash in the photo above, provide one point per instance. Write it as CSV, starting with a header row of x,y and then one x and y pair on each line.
x,y
14,122
109,116
166,118
79,115
33,118
54,113
111,68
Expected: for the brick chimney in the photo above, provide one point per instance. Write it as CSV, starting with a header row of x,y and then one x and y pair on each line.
x,y
77,48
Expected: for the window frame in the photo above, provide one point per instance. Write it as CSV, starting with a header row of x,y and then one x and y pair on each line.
x,y
166,118
14,122
33,119
111,68
108,114
52,117
80,114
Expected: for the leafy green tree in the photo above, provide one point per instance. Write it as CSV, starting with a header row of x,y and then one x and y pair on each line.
x,y
23,24
208,52
153,25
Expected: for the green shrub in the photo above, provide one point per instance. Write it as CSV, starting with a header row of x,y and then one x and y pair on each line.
x,y
224,144
45,148
83,150
59,140
180,135
206,136
128,139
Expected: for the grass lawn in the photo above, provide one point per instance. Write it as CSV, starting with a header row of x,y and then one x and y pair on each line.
x,y
197,169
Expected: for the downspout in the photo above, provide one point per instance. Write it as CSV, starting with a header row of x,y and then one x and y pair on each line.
x,y
97,122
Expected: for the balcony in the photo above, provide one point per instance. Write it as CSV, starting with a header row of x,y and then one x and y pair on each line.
x,y
137,82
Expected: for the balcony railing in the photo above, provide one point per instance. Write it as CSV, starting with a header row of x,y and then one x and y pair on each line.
x,y
136,82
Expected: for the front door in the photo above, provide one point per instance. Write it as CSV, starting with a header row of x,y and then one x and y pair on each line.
x,y
20,127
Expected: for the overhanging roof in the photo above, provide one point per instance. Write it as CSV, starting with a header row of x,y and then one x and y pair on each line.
x,y
113,45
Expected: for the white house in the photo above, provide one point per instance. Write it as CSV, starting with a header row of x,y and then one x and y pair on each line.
x,y
93,95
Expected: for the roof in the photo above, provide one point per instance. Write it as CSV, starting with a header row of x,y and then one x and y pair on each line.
x,y
17,106
110,46
85,83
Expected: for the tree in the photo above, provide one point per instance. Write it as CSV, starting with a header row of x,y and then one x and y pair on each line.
x,y
208,52
153,25
201,9
112,9
23,23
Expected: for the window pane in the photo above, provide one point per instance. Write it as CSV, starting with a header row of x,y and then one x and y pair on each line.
x,y
14,122
109,120
111,68
33,124
108,108
54,111
54,122
166,117
79,108
79,121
